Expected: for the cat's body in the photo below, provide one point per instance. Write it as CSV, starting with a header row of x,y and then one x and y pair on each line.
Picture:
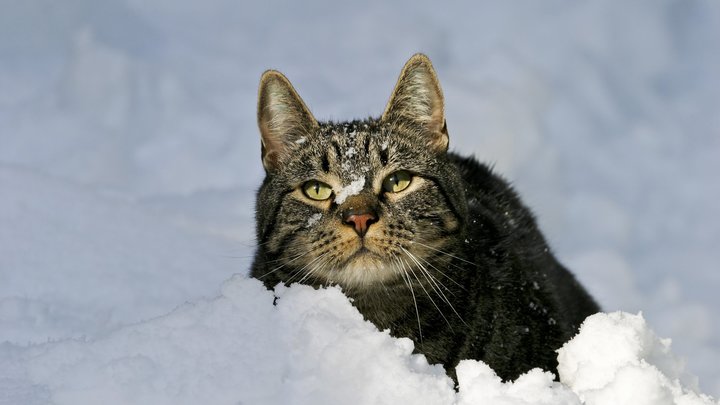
x,y
430,245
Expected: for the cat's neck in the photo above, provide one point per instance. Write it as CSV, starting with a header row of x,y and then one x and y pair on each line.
x,y
383,304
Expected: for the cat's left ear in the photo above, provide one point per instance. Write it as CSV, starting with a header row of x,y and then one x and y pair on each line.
x,y
418,99
283,118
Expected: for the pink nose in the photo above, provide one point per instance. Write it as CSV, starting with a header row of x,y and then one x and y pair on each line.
x,y
361,222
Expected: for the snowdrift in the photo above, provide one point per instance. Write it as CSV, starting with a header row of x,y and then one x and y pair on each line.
x,y
103,289
129,158
313,347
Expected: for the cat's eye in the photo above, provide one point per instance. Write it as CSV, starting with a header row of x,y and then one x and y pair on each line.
x,y
317,190
397,182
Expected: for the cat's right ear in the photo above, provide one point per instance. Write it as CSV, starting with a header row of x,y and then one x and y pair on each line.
x,y
417,99
283,119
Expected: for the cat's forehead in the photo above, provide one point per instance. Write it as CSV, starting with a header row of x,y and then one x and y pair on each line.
x,y
349,146
351,150
342,151
353,136
347,133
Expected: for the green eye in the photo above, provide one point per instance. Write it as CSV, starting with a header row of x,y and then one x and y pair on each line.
x,y
317,190
397,182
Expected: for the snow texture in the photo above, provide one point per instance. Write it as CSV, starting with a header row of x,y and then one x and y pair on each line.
x,y
129,160
354,188
617,359
313,347
312,220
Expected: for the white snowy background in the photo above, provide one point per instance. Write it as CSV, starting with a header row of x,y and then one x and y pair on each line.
x,y
129,160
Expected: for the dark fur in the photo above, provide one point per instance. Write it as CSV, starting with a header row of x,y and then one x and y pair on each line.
x,y
492,290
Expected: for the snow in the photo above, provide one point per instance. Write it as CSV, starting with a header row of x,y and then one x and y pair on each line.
x,y
478,384
313,347
617,359
129,160
238,347
312,220
354,188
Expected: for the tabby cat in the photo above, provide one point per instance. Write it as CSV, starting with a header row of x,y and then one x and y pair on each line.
x,y
428,244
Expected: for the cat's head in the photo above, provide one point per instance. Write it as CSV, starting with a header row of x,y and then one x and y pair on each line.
x,y
361,202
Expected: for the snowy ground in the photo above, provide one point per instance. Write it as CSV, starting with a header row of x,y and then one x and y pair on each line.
x,y
129,158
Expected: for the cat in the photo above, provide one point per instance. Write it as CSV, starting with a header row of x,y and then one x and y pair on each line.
x,y
428,244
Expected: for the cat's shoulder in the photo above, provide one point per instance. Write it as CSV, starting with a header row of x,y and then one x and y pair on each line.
x,y
481,180
477,173
492,199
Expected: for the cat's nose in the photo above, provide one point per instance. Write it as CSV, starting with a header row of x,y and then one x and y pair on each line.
x,y
360,220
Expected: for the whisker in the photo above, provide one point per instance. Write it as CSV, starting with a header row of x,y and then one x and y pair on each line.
x,y
443,252
262,243
384,287
443,274
300,270
427,274
284,264
429,297
412,292
436,284
317,267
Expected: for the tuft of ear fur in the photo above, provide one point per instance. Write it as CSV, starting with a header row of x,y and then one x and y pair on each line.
x,y
418,99
283,118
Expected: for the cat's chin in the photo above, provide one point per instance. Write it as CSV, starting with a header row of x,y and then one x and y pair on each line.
x,y
363,269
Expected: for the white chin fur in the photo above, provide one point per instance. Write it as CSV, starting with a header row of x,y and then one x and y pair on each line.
x,y
365,270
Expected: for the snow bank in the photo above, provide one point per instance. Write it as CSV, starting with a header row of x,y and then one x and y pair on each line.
x,y
129,157
478,384
617,359
313,347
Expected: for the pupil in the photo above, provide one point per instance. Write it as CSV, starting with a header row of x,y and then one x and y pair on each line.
x,y
317,188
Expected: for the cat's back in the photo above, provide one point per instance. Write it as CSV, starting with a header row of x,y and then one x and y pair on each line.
x,y
502,227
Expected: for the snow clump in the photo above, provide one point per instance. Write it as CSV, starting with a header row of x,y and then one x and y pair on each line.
x,y
354,188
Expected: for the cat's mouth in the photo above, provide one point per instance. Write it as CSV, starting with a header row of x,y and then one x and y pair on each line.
x,y
363,267
361,253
